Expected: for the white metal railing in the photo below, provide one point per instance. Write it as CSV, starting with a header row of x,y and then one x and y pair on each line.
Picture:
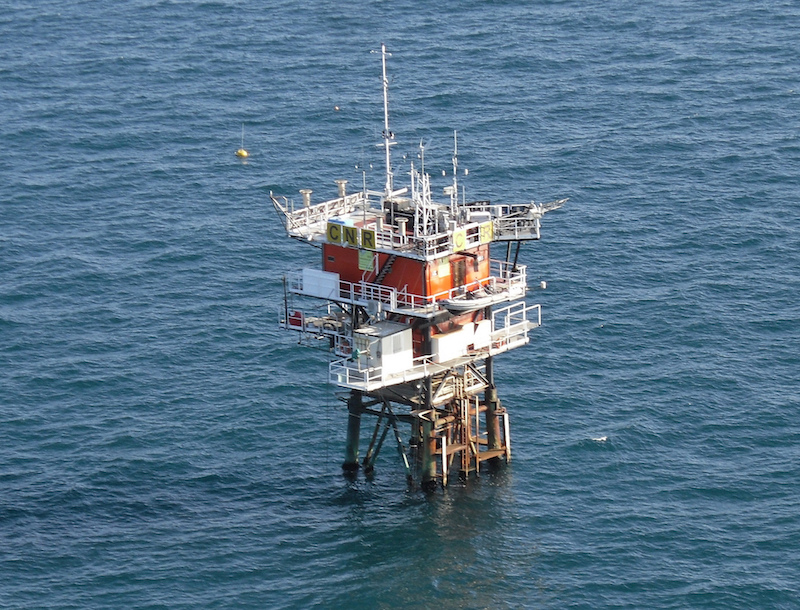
x,y
513,229
474,381
509,222
504,281
513,221
424,246
352,374
511,325
363,292
308,221
331,325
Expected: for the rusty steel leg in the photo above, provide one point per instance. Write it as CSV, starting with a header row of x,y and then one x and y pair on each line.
x,y
492,404
492,420
428,457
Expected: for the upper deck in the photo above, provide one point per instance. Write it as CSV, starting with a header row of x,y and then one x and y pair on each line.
x,y
409,226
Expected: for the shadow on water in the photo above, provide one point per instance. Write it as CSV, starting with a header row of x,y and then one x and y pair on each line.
x,y
458,547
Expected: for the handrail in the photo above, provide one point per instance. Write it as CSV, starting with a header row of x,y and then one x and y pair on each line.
x,y
504,279
347,373
308,221
510,327
300,221
509,222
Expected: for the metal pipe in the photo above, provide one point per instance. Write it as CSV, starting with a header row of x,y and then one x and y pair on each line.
x,y
516,256
428,457
492,421
492,404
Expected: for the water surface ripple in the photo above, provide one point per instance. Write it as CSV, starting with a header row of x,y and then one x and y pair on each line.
x,y
162,445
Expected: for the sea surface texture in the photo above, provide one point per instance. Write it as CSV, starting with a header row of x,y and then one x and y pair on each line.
x,y
164,445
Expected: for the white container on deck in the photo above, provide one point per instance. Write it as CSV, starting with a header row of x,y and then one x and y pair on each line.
x,y
386,346
452,345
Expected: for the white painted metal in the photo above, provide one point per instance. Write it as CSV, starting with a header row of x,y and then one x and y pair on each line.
x,y
444,459
507,432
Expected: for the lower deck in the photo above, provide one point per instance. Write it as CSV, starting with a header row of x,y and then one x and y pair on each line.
x,y
508,328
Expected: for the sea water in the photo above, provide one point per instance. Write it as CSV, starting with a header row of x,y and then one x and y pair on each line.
x,y
163,445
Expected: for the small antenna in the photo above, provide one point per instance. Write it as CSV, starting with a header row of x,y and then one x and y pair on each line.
x,y
242,152
388,136
454,194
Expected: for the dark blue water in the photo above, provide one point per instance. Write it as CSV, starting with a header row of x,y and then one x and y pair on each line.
x,y
163,445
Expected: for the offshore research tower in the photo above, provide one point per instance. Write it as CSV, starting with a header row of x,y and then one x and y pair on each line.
x,y
414,309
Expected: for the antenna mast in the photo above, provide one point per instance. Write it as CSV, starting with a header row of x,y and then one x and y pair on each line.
x,y
454,194
388,136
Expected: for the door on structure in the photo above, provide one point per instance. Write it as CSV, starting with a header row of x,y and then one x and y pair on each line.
x,y
459,271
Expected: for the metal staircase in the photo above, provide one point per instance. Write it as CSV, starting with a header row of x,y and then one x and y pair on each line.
x,y
387,267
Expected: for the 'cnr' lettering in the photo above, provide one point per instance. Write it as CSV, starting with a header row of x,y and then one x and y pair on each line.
x,y
351,236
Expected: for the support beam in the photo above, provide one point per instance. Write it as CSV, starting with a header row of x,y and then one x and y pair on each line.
x,y
402,451
372,450
516,256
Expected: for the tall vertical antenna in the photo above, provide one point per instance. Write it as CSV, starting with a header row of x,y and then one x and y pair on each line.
x,y
454,194
388,136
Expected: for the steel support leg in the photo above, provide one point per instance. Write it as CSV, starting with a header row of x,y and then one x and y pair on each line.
x,y
354,408
492,420
492,404
428,456
428,441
